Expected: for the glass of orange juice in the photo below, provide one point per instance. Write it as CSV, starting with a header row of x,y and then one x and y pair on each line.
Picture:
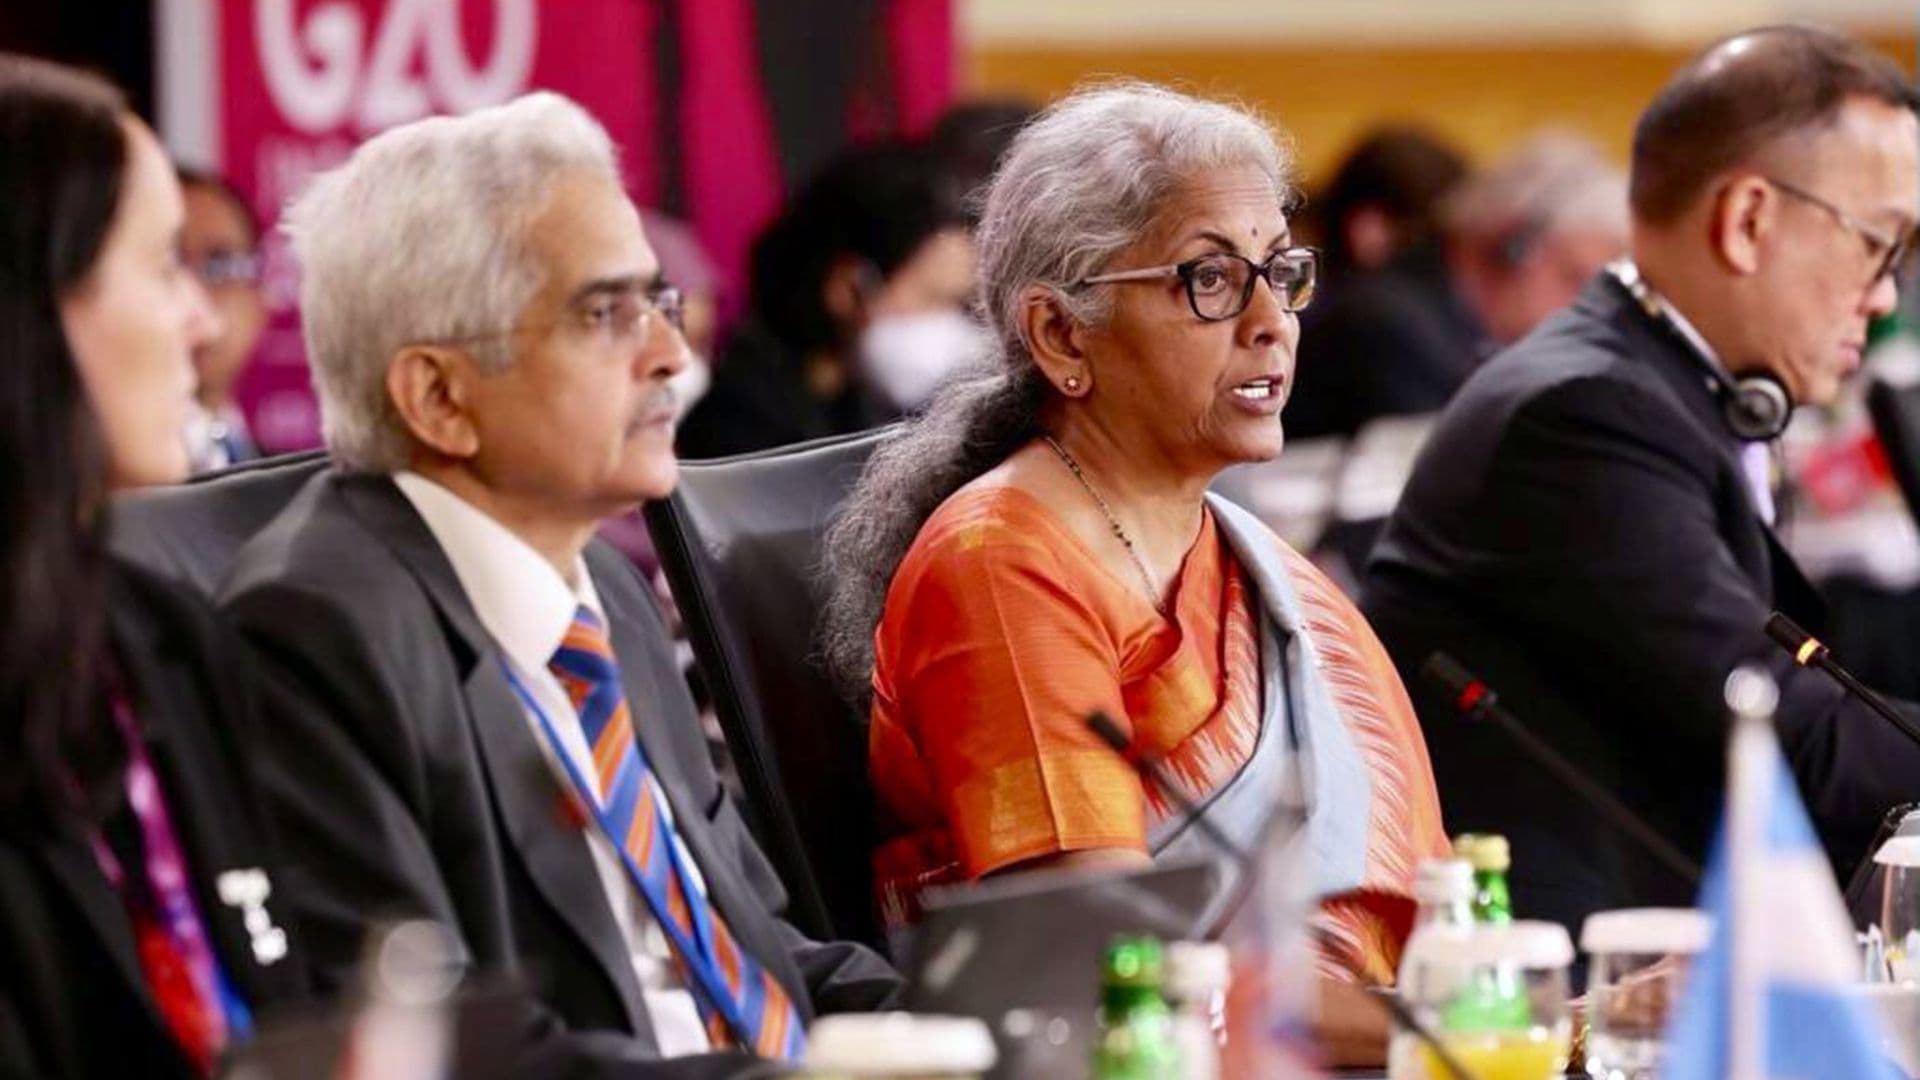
x,y
1496,998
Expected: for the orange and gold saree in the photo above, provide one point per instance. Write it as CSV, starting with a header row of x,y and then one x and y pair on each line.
x,y
1002,633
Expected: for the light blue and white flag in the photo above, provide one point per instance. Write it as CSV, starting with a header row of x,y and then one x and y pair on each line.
x,y
1769,998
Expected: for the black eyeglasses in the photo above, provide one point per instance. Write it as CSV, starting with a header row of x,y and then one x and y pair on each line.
x,y
1220,284
1889,254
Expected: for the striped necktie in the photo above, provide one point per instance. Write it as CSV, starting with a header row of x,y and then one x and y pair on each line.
x,y
739,999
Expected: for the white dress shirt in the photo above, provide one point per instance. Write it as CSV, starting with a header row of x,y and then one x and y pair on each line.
x,y
526,606
1755,458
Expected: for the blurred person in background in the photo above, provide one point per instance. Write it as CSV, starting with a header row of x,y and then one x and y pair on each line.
x,y
141,926
1525,236
970,139
1383,200
1382,203
1517,241
1590,525
221,248
856,307
1039,545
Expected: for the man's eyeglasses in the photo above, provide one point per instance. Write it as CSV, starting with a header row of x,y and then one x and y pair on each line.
x,y
226,268
611,316
1220,284
1890,254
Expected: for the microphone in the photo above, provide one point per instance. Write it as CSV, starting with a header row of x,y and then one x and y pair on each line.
x,y
1475,702
1193,814
1108,732
1808,652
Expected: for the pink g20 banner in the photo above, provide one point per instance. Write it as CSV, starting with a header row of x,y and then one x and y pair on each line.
x,y
719,106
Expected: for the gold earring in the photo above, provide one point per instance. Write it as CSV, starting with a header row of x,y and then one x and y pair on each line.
x,y
1073,384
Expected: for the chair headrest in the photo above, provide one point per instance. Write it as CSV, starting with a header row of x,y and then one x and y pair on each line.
x,y
774,491
192,532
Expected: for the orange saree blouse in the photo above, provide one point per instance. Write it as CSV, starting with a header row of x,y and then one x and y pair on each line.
x,y
1002,632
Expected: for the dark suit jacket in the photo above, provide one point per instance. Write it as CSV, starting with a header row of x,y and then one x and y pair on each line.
x,y
1397,341
73,999
1580,532
408,783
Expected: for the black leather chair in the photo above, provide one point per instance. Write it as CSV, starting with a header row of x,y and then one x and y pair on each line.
x,y
1896,420
193,531
740,544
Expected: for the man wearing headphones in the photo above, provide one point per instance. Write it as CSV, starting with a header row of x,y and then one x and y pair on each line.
x,y
1590,526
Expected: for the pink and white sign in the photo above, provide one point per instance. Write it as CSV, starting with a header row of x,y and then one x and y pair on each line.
x,y
271,91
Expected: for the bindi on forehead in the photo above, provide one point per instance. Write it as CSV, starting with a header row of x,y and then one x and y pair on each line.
x,y
1243,206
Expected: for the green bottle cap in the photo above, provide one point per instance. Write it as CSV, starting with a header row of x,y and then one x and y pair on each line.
x,y
1135,963
1883,327
1488,852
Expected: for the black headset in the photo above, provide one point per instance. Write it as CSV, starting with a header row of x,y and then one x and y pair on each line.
x,y
1755,405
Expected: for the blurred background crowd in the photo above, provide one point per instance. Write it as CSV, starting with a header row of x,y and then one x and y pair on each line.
x,y
807,168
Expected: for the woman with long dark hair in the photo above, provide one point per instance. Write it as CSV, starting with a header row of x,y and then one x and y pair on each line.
x,y
139,930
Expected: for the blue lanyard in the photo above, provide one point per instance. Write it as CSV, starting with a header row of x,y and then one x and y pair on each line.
x,y
697,955
239,1017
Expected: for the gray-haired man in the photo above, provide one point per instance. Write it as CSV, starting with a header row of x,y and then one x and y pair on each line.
x,y
485,724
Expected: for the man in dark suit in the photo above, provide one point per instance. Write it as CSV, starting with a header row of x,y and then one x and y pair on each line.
x,y
484,721
1590,526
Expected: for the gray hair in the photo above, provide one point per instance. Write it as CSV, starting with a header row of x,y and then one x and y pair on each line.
x,y
420,237
1081,183
1553,182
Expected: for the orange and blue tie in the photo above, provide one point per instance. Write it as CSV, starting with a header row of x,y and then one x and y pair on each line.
x,y
739,999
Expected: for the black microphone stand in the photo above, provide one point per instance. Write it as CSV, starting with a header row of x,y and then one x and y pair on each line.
x,y
1809,652
1476,702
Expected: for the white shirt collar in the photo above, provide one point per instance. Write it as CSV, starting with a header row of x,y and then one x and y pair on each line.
x,y
520,598
1755,461
235,420
1629,274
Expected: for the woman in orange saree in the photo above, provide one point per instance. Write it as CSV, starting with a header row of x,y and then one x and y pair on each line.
x,y
1041,545
1003,634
